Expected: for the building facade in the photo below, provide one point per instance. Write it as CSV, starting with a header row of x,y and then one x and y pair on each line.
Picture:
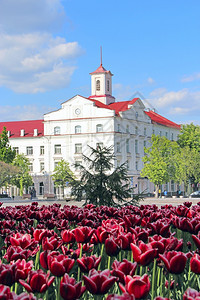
x,y
96,120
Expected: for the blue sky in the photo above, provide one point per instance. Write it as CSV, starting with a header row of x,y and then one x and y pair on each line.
x,y
49,47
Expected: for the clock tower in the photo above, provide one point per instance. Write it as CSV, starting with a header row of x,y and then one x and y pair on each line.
x,y
101,85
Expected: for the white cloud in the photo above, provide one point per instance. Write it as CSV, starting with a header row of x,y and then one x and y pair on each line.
x,y
31,59
150,80
191,78
25,112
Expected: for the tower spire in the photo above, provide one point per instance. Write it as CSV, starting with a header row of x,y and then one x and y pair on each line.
x,y
101,54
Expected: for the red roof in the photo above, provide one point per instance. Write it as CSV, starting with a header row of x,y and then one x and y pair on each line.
x,y
121,106
156,118
28,126
101,69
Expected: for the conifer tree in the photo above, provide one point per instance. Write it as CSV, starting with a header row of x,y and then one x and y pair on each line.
x,y
6,153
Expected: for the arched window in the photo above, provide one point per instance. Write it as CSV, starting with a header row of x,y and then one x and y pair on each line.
x,y
98,85
78,129
99,128
57,130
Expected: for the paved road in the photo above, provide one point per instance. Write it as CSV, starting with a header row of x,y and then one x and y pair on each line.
x,y
158,201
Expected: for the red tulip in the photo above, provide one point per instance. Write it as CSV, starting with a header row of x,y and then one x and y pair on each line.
x,y
196,240
174,261
144,254
59,264
22,269
191,294
121,269
37,281
23,240
16,252
7,274
195,264
83,234
69,289
124,296
136,285
111,247
98,282
68,236
86,263
51,243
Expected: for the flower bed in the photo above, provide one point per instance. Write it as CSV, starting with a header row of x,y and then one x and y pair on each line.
x,y
50,252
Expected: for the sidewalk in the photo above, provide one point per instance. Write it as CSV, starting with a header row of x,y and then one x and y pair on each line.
x,y
147,201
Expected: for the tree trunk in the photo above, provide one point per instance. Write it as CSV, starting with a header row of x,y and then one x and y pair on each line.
x,y
21,187
157,189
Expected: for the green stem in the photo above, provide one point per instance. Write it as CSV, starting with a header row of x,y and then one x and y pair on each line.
x,y
109,259
158,279
153,279
161,284
102,248
58,288
79,271
169,282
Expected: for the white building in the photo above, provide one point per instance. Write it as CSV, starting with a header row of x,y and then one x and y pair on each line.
x,y
98,119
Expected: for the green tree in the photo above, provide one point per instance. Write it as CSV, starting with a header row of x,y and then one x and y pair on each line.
x,y
62,175
22,179
159,161
6,153
189,142
7,171
190,136
100,183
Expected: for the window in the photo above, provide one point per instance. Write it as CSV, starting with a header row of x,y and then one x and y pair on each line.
x,y
41,188
118,147
136,165
16,150
145,131
57,130
108,85
99,128
160,133
172,136
118,128
78,148
128,165
99,145
41,166
57,149
77,164
136,114
166,134
29,150
145,143
136,130
136,146
153,132
127,146
98,85
30,166
127,129
41,150
78,129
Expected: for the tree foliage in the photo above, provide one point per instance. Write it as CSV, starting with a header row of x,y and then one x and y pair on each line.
x,y
7,171
100,183
159,161
190,136
22,179
62,175
6,153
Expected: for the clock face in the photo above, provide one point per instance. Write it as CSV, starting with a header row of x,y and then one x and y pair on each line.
x,y
77,111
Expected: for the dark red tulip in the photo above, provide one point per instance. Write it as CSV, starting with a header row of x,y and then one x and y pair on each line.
x,y
23,240
174,261
37,281
7,274
136,285
59,264
196,240
121,269
16,252
69,289
52,243
68,236
83,234
98,282
191,294
144,253
124,296
111,247
86,263
22,269
195,264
